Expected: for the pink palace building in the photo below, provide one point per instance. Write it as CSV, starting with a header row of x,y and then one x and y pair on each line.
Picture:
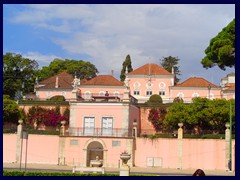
x,y
105,119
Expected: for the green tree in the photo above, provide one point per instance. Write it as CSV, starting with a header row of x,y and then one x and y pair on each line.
x,y
178,100
79,68
126,63
221,50
11,112
179,112
171,62
18,74
201,114
154,100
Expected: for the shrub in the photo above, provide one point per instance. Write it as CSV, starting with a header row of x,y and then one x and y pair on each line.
x,y
178,100
57,98
29,173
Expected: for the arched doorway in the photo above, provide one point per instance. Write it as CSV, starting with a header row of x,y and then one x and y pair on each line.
x,y
94,149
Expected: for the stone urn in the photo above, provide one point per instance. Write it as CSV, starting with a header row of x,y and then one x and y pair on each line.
x,y
125,157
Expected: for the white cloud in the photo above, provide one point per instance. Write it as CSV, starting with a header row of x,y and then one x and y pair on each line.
x,y
42,59
107,33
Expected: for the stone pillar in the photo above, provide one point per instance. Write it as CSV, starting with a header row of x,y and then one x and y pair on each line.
x,y
126,95
227,145
19,133
135,132
130,149
62,129
180,137
74,95
61,153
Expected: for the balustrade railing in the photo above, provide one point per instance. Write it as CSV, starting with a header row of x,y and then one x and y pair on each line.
x,y
111,132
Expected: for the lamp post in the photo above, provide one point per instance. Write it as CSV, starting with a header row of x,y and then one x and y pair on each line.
x,y
230,144
209,88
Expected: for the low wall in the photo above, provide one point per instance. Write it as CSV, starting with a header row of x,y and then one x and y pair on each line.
x,y
40,148
196,153
208,154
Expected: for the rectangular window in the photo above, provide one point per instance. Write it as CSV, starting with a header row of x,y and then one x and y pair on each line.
x,y
162,93
73,142
149,93
89,124
107,126
116,143
136,93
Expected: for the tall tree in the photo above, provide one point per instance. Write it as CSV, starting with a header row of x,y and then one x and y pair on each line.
x,y
79,68
171,62
221,50
126,63
18,74
11,112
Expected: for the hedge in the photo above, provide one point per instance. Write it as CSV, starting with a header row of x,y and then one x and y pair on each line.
x,y
34,173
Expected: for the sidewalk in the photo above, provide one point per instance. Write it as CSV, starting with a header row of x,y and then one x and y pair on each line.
x,y
139,170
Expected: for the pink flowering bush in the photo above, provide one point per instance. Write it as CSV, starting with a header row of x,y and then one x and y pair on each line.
x,y
156,117
48,117
124,152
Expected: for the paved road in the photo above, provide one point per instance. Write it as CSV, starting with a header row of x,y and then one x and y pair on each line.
x,y
133,170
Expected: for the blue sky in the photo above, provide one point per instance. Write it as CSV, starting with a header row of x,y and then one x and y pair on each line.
x,y
105,34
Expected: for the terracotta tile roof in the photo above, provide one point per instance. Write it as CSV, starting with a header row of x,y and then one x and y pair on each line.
x,y
229,84
154,70
230,87
104,80
196,82
64,81
231,74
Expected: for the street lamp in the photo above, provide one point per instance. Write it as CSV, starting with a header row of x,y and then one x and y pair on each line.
x,y
209,88
230,144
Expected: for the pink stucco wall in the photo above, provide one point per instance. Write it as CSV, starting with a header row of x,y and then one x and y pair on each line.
x,y
9,147
146,126
155,85
134,114
189,92
41,148
196,153
93,110
97,90
75,156
47,94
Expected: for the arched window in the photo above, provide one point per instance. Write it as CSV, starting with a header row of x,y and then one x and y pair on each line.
x,y
87,95
180,95
136,85
116,93
149,85
162,85
195,95
101,93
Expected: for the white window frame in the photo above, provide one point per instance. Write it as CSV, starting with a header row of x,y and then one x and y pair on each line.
x,y
136,85
195,94
87,95
180,95
88,131
148,93
160,93
135,92
101,93
162,86
107,131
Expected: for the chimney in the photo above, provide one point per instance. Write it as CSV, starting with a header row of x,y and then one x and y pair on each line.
x,y
56,83
112,72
